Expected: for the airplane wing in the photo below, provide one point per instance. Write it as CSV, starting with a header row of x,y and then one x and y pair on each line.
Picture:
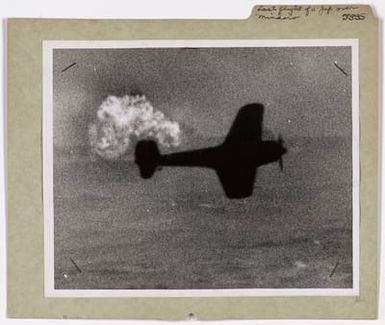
x,y
247,126
238,181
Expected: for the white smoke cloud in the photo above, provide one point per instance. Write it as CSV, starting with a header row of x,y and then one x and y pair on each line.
x,y
122,121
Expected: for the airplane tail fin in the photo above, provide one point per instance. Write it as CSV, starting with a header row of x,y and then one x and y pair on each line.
x,y
147,157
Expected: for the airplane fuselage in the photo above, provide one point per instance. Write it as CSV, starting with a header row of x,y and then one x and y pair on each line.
x,y
250,153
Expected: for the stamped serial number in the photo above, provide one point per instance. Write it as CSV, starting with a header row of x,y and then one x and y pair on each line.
x,y
353,16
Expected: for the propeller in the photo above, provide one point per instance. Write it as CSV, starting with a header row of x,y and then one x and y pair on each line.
x,y
280,140
280,164
280,161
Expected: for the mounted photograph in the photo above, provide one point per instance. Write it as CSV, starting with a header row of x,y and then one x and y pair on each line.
x,y
201,168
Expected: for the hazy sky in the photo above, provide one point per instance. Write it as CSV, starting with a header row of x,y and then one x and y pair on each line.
x,y
303,92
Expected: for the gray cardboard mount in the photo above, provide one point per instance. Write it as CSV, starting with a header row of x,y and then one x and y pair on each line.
x,y
24,162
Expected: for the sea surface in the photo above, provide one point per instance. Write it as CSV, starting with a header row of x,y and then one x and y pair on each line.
x,y
177,230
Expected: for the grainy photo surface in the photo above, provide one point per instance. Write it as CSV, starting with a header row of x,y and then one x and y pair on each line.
x,y
202,167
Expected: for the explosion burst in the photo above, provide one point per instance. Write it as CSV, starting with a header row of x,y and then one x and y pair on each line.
x,y
122,121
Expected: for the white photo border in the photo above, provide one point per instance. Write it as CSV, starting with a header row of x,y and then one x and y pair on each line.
x,y
48,196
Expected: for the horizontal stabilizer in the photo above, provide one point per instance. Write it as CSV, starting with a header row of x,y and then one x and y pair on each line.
x,y
147,157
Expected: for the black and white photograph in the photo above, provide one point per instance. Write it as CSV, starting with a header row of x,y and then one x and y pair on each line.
x,y
195,168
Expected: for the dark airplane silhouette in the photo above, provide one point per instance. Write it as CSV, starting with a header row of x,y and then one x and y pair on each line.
x,y
236,160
